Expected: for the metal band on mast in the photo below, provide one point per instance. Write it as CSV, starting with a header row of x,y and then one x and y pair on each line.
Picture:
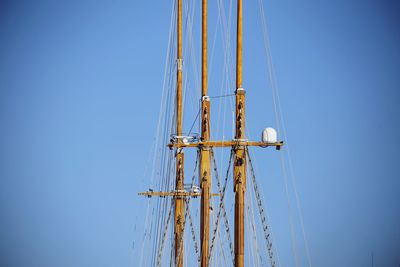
x,y
205,169
179,220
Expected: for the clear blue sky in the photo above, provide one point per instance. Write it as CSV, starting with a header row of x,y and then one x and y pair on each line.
x,y
80,85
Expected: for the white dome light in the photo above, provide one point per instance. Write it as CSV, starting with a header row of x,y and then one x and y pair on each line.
x,y
269,136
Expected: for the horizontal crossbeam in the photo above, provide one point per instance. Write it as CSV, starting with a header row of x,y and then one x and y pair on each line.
x,y
233,143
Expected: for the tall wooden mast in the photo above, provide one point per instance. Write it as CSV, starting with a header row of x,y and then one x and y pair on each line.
x,y
240,153
205,170
179,220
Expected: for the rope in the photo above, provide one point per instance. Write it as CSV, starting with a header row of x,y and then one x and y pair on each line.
x,y
221,96
161,160
196,246
252,225
221,209
281,125
161,249
191,59
267,234
226,222
227,75
195,119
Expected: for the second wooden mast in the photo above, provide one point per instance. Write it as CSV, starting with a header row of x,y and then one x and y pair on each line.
x,y
205,169
179,220
239,185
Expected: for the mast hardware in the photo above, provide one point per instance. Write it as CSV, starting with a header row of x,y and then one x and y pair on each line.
x,y
184,139
205,98
240,91
179,63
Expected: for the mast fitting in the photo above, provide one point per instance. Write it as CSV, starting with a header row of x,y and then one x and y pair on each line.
x,y
179,63
240,91
205,98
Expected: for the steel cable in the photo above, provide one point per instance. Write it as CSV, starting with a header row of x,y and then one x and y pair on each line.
x,y
267,233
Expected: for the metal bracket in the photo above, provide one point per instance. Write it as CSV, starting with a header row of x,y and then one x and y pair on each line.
x,y
240,140
240,91
179,63
205,98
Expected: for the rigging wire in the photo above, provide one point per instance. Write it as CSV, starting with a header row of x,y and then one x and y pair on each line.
x,y
261,209
165,122
161,248
221,96
193,232
165,172
158,141
221,209
194,122
252,226
221,23
190,56
281,125
226,222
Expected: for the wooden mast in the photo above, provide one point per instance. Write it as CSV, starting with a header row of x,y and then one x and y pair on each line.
x,y
240,153
205,169
179,220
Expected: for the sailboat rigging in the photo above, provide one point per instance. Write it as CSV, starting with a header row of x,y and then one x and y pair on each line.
x,y
176,196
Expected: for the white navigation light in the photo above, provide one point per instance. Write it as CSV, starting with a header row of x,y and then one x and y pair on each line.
x,y
269,136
